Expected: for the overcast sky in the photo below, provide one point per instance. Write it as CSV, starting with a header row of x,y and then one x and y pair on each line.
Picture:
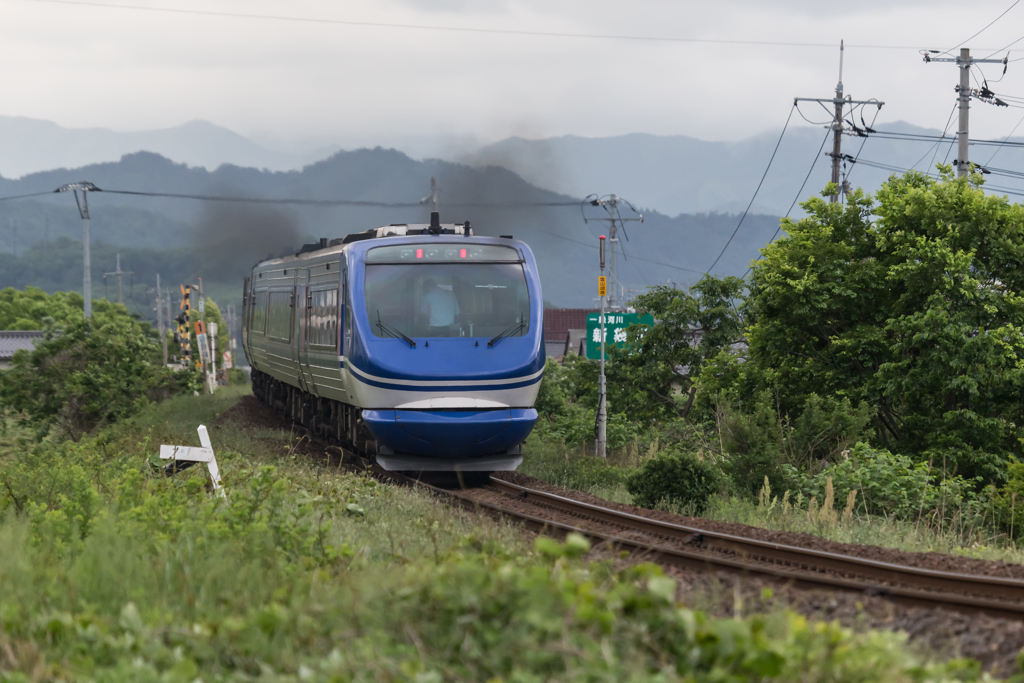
x,y
315,83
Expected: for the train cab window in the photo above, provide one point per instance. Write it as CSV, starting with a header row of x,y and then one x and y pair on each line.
x,y
259,313
447,297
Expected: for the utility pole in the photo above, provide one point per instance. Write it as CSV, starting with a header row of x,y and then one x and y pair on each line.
x,y
433,194
839,101
610,203
964,62
160,317
83,210
119,273
601,442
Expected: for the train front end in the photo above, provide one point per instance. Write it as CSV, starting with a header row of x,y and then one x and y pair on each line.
x,y
445,353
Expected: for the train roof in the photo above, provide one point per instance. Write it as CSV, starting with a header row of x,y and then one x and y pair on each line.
x,y
337,245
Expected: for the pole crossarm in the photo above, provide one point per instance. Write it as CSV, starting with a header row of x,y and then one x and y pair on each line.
x,y
836,100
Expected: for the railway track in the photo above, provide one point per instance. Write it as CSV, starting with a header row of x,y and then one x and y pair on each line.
x,y
682,546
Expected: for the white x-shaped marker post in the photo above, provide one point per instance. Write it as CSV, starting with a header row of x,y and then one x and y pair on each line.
x,y
192,454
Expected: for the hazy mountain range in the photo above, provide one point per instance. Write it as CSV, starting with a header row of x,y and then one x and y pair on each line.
x,y
32,145
226,238
671,174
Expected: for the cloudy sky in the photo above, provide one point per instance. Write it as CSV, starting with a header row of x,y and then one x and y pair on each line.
x,y
85,64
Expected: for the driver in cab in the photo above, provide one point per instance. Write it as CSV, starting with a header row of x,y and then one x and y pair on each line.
x,y
439,304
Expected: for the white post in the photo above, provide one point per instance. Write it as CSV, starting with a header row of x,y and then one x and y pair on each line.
x,y
602,393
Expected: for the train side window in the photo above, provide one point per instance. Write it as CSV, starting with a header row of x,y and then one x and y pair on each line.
x,y
258,316
279,315
323,319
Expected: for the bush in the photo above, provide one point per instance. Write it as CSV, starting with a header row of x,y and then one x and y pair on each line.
x,y
86,373
759,439
678,478
889,484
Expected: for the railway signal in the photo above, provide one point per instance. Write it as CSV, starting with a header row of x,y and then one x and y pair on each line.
x,y
182,320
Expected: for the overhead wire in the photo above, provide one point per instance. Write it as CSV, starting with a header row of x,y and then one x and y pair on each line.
x,y
305,202
862,142
799,192
763,176
987,27
463,29
938,143
594,246
1004,142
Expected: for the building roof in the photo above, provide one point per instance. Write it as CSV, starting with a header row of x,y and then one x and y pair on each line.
x,y
558,322
15,340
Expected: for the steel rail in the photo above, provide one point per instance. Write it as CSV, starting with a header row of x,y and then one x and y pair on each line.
x,y
702,549
998,596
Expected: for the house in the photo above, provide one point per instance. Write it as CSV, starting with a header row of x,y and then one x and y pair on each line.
x,y
563,330
15,340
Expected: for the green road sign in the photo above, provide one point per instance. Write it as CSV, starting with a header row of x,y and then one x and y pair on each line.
x,y
615,327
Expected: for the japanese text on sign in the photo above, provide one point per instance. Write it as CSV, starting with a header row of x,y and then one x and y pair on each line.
x,y
616,330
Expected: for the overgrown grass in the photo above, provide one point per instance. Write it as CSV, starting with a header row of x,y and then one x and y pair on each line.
x,y
112,572
575,467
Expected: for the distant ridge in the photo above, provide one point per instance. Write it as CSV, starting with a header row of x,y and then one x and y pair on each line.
x,y
32,145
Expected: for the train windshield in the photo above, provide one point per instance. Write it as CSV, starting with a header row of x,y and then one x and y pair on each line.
x,y
454,299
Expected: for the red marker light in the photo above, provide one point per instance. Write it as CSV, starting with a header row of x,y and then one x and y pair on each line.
x,y
419,253
601,237
462,253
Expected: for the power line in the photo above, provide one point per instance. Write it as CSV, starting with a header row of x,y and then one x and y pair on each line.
x,y
592,246
1004,142
464,29
23,196
308,202
763,176
987,27
799,192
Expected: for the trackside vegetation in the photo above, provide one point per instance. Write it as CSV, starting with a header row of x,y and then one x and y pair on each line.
x,y
112,571
876,349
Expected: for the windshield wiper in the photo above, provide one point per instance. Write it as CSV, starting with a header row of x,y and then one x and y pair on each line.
x,y
512,329
387,329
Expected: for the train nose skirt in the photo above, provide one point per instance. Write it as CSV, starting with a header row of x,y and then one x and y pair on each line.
x,y
450,433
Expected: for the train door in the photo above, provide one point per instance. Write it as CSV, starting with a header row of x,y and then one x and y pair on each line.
x,y
302,313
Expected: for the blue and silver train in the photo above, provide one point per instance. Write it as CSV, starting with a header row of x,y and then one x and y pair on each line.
x,y
420,346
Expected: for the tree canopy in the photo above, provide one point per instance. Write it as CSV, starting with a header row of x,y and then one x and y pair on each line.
x,y
911,302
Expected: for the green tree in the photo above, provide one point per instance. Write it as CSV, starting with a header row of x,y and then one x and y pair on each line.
x,y
913,305
26,310
690,328
85,372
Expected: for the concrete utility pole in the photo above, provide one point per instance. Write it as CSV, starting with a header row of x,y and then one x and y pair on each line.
x,y
83,210
119,273
839,101
601,442
964,61
610,203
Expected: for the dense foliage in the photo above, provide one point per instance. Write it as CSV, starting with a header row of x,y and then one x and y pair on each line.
x,y
911,303
116,573
83,373
896,322
27,309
